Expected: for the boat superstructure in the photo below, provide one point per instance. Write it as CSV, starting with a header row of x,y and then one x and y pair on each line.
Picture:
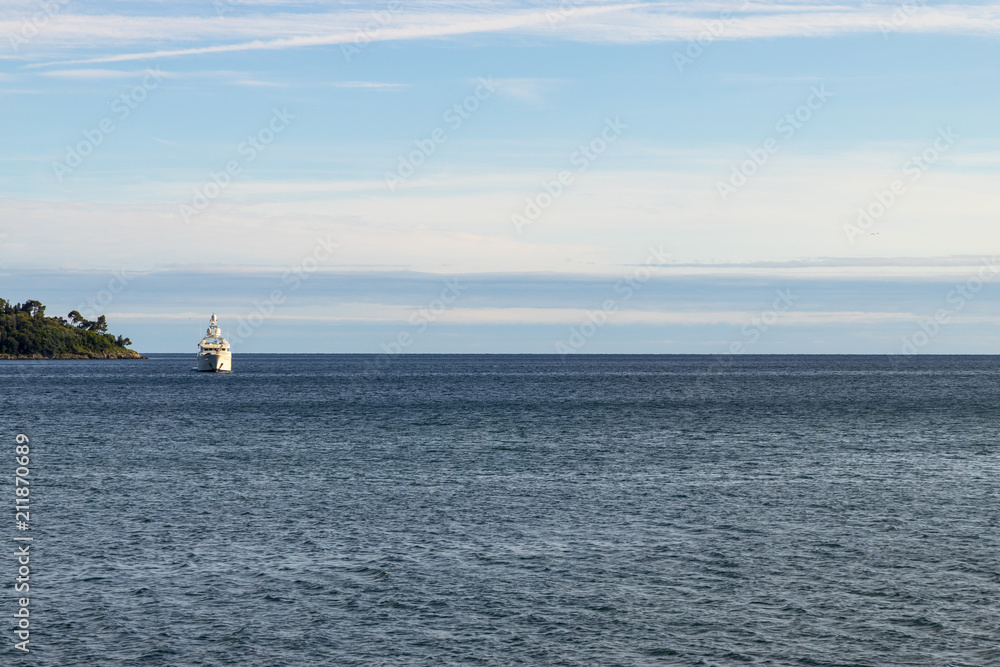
x,y
213,351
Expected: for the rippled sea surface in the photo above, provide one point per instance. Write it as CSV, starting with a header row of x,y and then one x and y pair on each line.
x,y
496,510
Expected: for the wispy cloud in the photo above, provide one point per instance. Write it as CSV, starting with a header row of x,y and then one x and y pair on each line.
x,y
417,27
97,74
374,85
403,314
757,79
623,23
259,83
526,89
223,77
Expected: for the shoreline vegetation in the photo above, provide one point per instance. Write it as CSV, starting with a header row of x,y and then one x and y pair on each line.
x,y
26,333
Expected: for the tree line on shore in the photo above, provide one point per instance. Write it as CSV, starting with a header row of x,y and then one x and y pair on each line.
x,y
25,331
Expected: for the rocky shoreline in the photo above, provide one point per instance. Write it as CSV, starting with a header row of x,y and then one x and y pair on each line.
x,y
124,355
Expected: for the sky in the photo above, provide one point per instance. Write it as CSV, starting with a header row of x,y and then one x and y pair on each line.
x,y
563,177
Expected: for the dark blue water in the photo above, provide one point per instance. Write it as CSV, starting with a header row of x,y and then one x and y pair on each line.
x,y
496,510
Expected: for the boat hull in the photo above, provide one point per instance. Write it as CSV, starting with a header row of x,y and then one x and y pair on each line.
x,y
215,362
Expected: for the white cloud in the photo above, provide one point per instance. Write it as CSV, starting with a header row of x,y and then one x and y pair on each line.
x,y
455,220
223,76
622,23
526,89
98,74
299,30
373,85
390,313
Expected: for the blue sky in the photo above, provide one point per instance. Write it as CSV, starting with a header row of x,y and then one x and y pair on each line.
x,y
163,160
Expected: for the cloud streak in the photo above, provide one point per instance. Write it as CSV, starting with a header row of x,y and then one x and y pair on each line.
x,y
626,23
540,316
93,74
435,27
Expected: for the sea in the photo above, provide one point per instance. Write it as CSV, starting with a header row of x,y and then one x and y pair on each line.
x,y
505,510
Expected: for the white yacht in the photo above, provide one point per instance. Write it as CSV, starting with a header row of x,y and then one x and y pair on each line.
x,y
213,351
